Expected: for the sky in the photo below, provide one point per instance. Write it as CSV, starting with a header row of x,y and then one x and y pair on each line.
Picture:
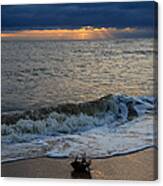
x,y
83,21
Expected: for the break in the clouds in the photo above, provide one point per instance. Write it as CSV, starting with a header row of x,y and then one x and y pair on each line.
x,y
79,20
84,33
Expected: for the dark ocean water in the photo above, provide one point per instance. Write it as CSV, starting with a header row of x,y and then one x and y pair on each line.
x,y
45,74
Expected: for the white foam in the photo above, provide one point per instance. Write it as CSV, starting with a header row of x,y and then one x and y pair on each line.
x,y
97,142
103,134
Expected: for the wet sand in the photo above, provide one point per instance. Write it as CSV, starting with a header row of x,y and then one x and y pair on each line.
x,y
135,166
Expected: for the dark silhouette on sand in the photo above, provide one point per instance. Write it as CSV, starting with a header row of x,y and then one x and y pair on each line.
x,y
81,168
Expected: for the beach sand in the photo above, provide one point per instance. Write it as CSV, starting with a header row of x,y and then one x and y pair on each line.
x,y
135,166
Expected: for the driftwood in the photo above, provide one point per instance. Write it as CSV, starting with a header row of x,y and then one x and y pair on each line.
x,y
81,167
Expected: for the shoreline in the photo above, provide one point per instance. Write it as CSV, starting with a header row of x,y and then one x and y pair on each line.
x,y
93,158
140,165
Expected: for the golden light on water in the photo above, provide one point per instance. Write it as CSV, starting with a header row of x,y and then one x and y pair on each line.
x,y
84,33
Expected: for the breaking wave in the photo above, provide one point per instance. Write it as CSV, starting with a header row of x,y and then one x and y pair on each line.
x,y
115,124
110,110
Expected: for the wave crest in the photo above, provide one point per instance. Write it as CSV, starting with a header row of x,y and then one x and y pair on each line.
x,y
72,118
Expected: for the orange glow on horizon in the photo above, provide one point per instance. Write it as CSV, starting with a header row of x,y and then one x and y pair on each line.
x,y
84,33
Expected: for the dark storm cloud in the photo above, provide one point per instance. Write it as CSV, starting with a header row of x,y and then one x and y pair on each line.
x,y
119,15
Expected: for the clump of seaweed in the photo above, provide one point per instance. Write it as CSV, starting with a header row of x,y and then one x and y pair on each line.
x,y
81,167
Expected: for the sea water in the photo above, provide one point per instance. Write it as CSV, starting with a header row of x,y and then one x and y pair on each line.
x,y
45,74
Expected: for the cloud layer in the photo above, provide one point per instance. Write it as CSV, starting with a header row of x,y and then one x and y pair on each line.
x,y
69,18
84,33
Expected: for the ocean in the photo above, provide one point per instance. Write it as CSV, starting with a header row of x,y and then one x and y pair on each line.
x,y
64,98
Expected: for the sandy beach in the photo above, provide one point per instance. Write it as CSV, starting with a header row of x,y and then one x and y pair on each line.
x,y
135,166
